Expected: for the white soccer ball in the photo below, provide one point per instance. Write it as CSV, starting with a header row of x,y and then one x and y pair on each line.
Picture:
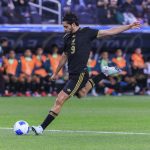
x,y
21,127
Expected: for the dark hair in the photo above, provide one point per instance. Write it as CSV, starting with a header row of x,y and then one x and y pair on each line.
x,y
11,50
54,45
71,18
2,40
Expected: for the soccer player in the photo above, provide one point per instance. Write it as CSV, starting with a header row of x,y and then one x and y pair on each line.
x,y
77,46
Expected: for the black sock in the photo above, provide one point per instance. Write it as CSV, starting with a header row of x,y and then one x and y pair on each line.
x,y
96,79
50,117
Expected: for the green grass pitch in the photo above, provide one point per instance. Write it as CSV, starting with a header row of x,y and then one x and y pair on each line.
x,y
93,123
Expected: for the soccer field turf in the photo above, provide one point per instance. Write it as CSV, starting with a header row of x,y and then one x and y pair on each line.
x,y
93,123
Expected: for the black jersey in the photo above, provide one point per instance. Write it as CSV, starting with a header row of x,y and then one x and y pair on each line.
x,y
77,46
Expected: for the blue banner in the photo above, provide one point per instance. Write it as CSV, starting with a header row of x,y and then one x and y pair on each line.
x,y
59,28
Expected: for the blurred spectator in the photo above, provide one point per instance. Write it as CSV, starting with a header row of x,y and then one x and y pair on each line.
x,y
105,11
124,81
113,12
105,61
138,66
34,14
106,84
102,11
26,72
117,84
47,16
2,83
66,6
129,12
3,46
129,6
7,13
147,72
137,60
92,64
41,86
10,65
30,74
129,18
54,61
1,14
138,5
40,59
146,11
21,8
120,61
79,3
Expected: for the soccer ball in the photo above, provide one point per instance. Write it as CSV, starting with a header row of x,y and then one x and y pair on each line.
x,y
21,127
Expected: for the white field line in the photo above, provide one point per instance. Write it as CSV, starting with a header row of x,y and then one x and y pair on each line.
x,y
90,132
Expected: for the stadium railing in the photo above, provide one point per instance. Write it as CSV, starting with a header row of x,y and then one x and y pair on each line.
x,y
41,8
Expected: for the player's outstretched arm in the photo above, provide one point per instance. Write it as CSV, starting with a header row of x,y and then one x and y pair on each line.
x,y
117,30
60,66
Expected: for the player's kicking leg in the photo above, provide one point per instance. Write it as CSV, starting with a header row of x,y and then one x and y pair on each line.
x,y
106,71
60,100
70,89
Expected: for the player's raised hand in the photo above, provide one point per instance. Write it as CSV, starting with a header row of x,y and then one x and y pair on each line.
x,y
135,25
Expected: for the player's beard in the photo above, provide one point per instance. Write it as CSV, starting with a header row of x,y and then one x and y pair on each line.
x,y
71,30
68,31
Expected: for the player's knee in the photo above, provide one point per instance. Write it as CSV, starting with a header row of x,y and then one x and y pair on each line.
x,y
59,101
61,98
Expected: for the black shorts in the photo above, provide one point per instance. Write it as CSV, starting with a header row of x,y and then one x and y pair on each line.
x,y
75,83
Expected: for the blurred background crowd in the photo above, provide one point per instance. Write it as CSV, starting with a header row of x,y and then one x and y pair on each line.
x,y
88,11
28,73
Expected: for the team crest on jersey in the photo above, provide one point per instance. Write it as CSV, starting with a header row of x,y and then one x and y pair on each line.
x,y
68,90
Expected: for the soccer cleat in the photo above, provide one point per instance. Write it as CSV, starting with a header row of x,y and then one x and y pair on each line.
x,y
110,70
37,130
